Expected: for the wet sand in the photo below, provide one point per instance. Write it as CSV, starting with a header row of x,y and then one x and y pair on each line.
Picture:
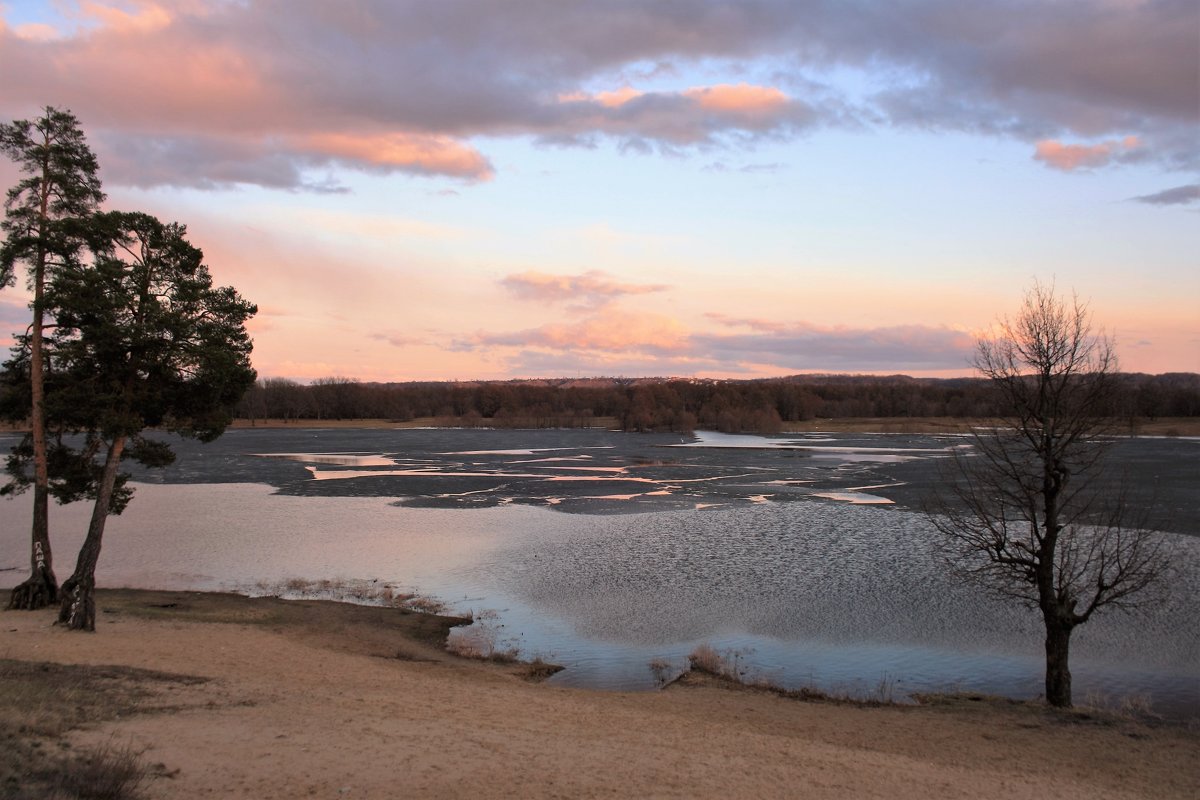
x,y
328,700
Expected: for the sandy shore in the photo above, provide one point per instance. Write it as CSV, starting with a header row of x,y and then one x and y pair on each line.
x,y
322,700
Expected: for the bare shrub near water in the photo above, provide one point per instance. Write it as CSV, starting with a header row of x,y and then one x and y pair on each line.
x,y
481,640
662,669
727,663
885,690
358,592
1136,705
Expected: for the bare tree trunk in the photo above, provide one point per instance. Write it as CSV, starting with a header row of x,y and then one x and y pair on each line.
x,y
78,610
41,589
1058,673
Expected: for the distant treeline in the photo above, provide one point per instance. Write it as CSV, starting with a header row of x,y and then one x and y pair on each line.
x,y
655,404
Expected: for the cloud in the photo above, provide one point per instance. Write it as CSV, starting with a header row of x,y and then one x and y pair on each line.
x,y
1180,195
660,345
401,152
800,347
608,330
398,339
15,317
272,93
741,99
36,32
1070,157
146,17
589,289
696,115
558,364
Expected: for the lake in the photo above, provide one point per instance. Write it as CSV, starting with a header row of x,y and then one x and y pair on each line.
x,y
806,557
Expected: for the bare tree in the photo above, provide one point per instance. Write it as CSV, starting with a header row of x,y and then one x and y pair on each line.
x,y
1029,512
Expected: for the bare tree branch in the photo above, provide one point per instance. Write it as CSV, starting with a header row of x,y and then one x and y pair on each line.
x,y
1026,512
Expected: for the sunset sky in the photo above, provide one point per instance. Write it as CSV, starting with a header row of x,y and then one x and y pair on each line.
x,y
460,189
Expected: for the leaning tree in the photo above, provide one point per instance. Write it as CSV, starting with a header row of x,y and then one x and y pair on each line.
x,y
143,340
43,212
1030,511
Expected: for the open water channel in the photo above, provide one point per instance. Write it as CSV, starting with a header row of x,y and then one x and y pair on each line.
x,y
805,556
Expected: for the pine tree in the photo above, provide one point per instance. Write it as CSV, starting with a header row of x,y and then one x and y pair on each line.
x,y
44,215
143,340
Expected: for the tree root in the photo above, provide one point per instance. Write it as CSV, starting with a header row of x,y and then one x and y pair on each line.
x,y
78,609
38,591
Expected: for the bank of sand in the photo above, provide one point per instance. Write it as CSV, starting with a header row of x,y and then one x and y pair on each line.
x,y
325,700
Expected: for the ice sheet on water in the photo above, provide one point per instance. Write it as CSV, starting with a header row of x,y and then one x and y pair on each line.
x,y
855,498
812,447
334,459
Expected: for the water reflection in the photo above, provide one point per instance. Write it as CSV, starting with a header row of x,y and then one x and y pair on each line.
x,y
754,549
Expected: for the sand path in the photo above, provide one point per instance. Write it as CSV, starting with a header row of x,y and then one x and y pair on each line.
x,y
294,715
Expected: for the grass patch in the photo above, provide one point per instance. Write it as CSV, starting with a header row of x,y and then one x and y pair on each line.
x,y
41,702
372,629
483,641
725,664
108,772
729,668
358,592
1138,706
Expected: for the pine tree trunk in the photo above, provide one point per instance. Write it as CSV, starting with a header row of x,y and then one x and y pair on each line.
x,y
1058,671
78,610
41,588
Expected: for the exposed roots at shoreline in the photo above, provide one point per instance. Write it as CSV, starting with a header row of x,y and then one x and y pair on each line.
x,y
39,590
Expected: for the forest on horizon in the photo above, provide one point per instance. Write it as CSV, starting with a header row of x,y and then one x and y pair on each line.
x,y
677,404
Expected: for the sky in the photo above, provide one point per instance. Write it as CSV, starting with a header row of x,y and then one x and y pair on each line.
x,y
490,189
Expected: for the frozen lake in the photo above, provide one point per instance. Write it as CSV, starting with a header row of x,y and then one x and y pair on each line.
x,y
603,551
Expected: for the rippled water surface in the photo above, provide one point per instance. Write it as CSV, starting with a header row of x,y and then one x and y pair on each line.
x,y
803,556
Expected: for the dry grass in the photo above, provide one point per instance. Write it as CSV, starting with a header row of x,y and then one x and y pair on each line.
x,y
40,703
358,592
109,772
727,664
664,671
1137,706
728,667
482,640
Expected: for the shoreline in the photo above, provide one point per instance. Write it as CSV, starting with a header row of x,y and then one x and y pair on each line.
x,y
343,700
1164,426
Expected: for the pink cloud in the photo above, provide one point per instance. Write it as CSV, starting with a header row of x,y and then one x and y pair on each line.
x,y
741,98
608,330
243,81
698,115
34,31
761,325
613,99
762,347
398,339
403,151
1070,157
146,17
592,288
